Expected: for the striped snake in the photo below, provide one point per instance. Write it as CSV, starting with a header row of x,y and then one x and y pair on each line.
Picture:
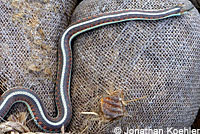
x,y
62,95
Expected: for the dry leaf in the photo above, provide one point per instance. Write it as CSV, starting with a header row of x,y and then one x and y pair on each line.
x,y
33,22
48,71
22,117
15,124
34,68
41,32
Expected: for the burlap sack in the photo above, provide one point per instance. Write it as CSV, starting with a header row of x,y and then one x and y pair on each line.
x,y
157,59
30,31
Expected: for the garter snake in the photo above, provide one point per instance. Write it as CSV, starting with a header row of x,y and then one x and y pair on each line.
x,y
63,102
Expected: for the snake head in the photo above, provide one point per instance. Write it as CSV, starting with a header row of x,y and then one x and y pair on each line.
x,y
186,8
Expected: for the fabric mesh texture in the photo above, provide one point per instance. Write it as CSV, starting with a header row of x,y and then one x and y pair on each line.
x,y
29,35
157,59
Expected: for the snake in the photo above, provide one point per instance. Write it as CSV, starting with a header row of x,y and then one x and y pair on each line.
x,y
62,89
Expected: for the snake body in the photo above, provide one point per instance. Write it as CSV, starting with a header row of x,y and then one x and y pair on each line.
x,y
62,95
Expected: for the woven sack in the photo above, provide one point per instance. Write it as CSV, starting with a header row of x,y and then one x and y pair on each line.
x,y
157,59
30,31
